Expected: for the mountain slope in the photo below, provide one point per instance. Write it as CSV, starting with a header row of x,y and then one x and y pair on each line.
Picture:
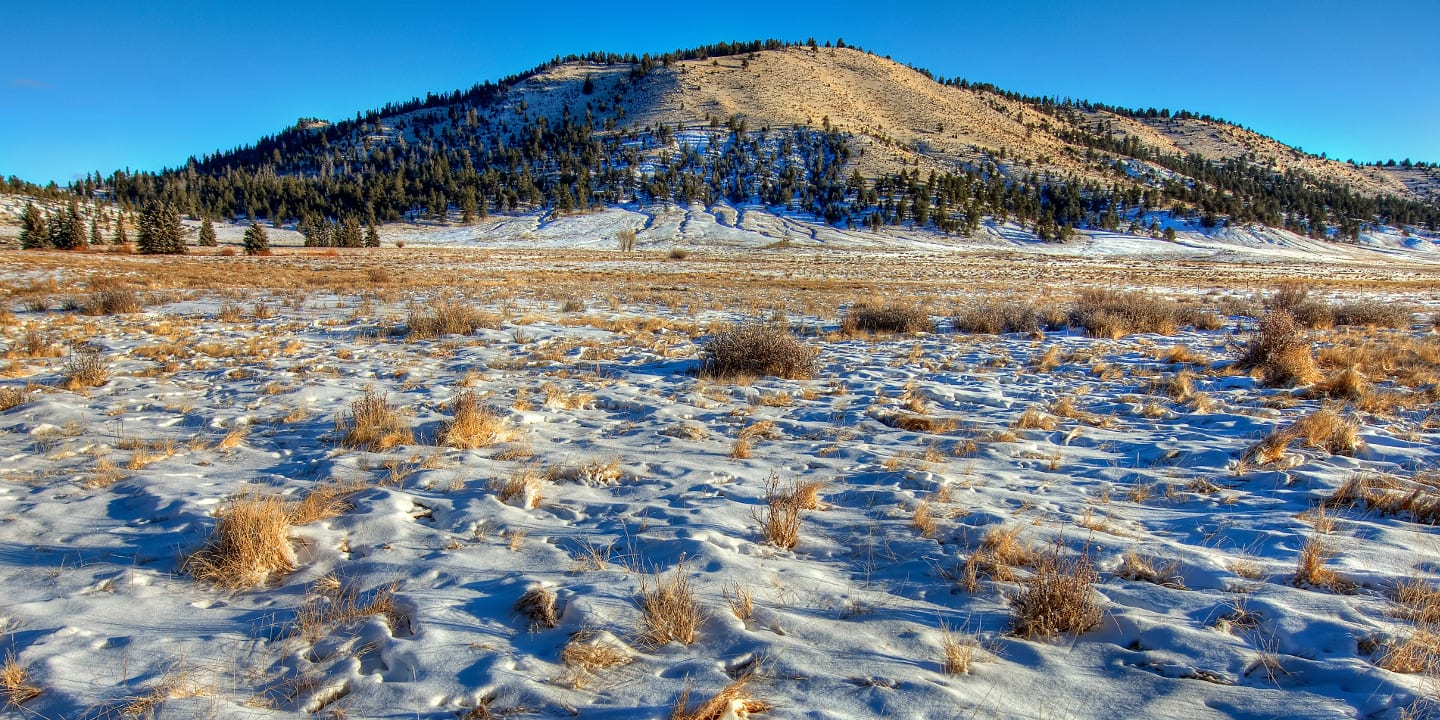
x,y
847,136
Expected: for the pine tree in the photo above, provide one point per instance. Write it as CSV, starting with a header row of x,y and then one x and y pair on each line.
x,y
207,234
119,238
372,236
160,232
256,241
33,233
348,234
95,238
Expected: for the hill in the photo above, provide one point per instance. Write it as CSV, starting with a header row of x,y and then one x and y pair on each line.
x,y
846,136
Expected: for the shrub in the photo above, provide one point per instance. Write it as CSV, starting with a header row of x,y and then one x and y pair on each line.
x,y
625,240
249,546
85,367
1280,351
1058,599
756,350
1112,314
994,317
678,253
447,315
669,610
110,298
538,604
11,397
586,653
885,319
1373,313
15,683
733,701
373,424
780,522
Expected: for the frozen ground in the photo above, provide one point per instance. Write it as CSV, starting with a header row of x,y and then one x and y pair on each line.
x,y
631,463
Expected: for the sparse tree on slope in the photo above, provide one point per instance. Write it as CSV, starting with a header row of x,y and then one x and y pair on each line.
x,y
207,234
33,233
256,241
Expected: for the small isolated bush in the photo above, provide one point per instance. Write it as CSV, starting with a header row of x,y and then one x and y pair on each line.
x,y
756,350
1347,384
373,424
1418,601
12,396
445,314
249,546
1280,352
1058,599
1418,652
472,424
669,610
1143,569
1373,313
1112,314
1326,430
85,367
995,317
625,240
961,650
678,253
111,299
886,319
538,604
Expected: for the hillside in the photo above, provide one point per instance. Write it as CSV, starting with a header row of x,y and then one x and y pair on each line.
x,y
848,137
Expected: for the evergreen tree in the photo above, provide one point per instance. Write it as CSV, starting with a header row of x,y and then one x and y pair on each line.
x,y
119,238
256,241
207,234
372,236
67,229
95,238
33,233
160,232
348,234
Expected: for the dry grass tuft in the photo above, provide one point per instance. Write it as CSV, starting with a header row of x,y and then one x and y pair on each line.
x,y
523,488
1111,314
888,319
1058,599
1142,569
780,521
1323,429
734,701
1418,601
112,300
1280,352
538,604
740,599
1347,384
1034,419
1373,313
249,546
669,611
585,654
15,684
1418,652
334,603
1310,569
757,350
326,500
961,649
1389,496
445,314
373,424
922,520
472,424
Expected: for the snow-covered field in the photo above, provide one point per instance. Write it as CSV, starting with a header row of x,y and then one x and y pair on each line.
x,y
946,471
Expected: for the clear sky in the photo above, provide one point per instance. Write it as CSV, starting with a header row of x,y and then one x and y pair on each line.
x,y
89,86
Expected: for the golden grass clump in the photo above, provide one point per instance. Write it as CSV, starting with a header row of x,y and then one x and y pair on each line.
x,y
1142,569
1034,419
1418,652
1389,496
1280,352
961,650
733,701
1311,569
669,610
757,350
885,319
1058,599
1112,314
538,604
1326,430
373,424
1348,384
111,299
325,500
585,654
1417,600
15,683
334,603
1373,313
472,424
249,546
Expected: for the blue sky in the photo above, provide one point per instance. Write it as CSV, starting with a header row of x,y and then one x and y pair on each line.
x,y
102,85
